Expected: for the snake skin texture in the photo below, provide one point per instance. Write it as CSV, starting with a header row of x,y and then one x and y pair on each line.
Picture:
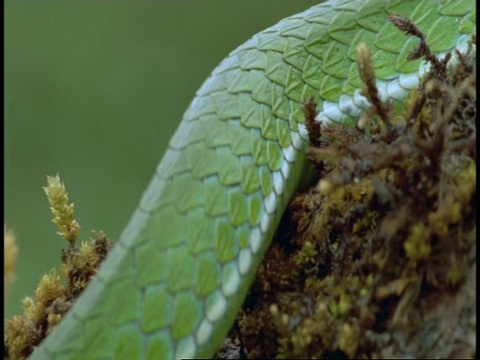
x,y
174,282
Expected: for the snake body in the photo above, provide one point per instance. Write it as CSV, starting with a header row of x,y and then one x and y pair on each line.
x,y
174,282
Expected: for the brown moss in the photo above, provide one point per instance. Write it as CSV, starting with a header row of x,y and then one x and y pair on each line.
x,y
54,296
367,263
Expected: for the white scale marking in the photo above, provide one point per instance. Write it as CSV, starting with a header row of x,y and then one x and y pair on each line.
x,y
278,182
204,332
255,240
244,261
231,279
216,306
186,348
265,222
270,203
285,169
289,153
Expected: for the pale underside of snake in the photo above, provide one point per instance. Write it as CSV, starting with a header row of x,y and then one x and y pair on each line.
x,y
174,282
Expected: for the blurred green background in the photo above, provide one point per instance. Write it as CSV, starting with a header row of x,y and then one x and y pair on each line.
x,y
94,91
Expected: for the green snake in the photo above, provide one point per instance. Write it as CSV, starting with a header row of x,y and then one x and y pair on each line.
x,y
174,282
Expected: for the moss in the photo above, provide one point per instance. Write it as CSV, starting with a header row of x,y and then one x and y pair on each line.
x,y
385,238
10,260
58,289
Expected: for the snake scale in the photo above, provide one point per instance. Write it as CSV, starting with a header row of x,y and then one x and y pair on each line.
x,y
174,282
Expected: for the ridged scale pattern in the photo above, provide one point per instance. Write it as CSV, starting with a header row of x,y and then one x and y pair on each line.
x,y
174,282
